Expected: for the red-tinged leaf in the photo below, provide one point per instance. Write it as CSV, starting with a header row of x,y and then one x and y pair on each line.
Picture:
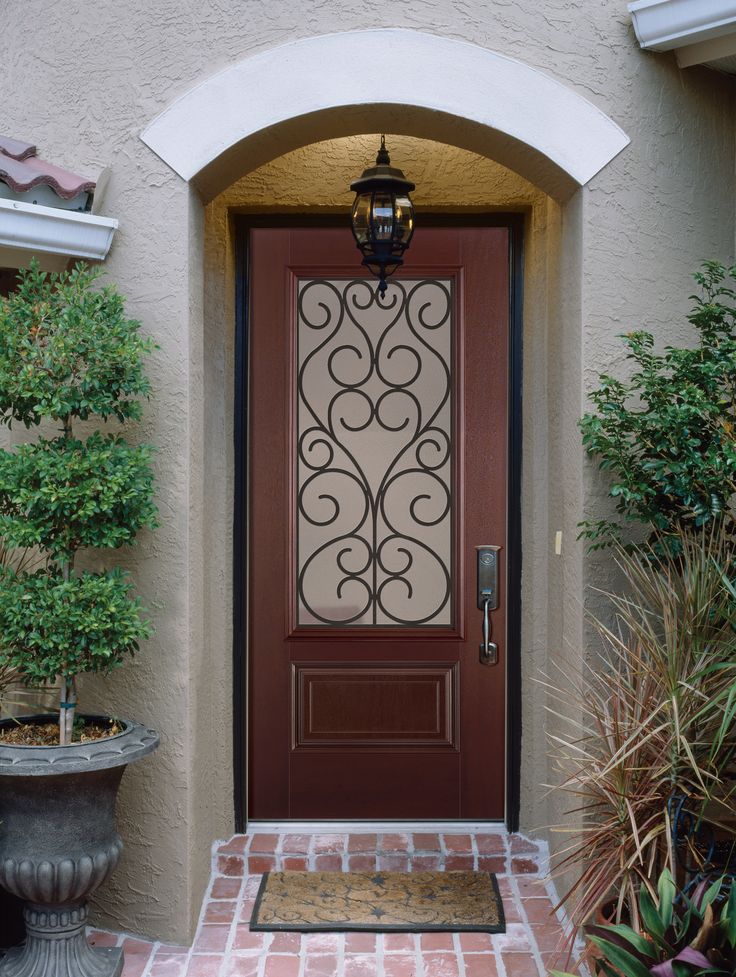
x,y
665,969
699,892
695,957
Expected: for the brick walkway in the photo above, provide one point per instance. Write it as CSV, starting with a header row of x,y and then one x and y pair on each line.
x,y
225,947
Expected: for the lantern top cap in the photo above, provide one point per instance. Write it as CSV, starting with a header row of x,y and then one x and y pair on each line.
x,y
382,176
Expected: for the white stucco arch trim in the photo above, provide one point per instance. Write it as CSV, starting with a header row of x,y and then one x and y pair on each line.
x,y
389,67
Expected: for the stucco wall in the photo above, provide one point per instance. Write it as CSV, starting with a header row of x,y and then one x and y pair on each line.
x,y
84,83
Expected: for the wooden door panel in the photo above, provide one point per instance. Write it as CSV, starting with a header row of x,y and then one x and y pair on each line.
x,y
349,704
375,709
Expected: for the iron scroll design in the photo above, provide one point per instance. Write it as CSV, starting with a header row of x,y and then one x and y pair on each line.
x,y
374,453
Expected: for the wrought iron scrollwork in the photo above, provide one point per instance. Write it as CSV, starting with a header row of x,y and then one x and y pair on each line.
x,y
374,453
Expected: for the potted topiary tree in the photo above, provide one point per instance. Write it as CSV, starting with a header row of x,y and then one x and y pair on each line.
x,y
68,354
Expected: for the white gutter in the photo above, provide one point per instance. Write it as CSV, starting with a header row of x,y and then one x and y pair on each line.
x,y
663,25
50,230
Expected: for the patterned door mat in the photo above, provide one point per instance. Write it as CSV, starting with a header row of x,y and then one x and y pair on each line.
x,y
407,902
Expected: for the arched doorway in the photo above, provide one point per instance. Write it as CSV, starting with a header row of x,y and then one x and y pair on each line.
x,y
511,113
416,83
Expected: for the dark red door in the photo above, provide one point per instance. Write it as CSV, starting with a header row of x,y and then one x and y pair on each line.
x,y
378,432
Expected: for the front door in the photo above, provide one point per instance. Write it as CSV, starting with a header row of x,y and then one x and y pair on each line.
x,y
378,464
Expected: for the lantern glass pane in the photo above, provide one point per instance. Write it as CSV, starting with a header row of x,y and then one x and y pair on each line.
x,y
404,219
361,217
383,216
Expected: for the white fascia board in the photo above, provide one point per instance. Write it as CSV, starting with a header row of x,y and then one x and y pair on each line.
x,y
50,230
664,25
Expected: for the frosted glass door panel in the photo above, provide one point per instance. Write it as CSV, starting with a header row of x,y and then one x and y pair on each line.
x,y
374,453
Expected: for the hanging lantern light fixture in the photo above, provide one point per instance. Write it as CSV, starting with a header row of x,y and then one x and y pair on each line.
x,y
383,216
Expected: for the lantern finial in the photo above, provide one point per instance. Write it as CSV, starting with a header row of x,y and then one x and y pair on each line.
x,y
383,158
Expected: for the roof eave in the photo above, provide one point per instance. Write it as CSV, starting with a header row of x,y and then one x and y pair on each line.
x,y
666,25
50,230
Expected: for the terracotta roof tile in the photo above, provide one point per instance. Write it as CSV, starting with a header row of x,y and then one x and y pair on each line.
x,y
22,170
16,148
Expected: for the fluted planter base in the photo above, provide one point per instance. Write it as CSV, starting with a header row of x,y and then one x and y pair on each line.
x,y
56,943
58,844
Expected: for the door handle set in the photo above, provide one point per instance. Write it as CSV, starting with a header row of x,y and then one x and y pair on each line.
x,y
487,577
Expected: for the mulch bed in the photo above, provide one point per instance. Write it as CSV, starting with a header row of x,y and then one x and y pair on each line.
x,y
47,734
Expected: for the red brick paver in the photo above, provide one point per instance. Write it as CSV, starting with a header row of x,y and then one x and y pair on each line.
x,y
396,842
101,938
225,946
241,967
282,966
263,844
169,965
224,888
426,842
480,965
363,843
321,966
458,843
296,844
360,943
400,965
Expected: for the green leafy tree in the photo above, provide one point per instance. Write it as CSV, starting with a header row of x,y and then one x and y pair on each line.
x,y
68,352
667,437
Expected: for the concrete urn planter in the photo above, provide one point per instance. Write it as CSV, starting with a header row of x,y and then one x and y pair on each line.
x,y
58,844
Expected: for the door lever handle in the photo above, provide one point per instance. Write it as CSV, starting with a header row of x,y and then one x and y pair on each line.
x,y
488,648
487,567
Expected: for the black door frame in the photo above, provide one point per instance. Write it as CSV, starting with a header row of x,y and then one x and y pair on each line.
x,y
243,223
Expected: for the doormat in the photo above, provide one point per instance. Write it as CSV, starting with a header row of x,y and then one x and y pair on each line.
x,y
379,902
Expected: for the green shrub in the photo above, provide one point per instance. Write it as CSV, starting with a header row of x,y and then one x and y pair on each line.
x,y
667,436
54,627
68,352
65,494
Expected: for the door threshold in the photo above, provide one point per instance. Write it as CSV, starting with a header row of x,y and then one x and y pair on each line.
x,y
372,827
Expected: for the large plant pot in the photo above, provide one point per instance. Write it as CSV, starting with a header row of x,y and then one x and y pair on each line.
x,y
58,844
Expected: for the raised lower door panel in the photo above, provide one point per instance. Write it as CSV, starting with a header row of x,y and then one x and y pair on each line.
x,y
351,704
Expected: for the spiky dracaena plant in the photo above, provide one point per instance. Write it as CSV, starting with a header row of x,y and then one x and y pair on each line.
x,y
69,353
648,717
